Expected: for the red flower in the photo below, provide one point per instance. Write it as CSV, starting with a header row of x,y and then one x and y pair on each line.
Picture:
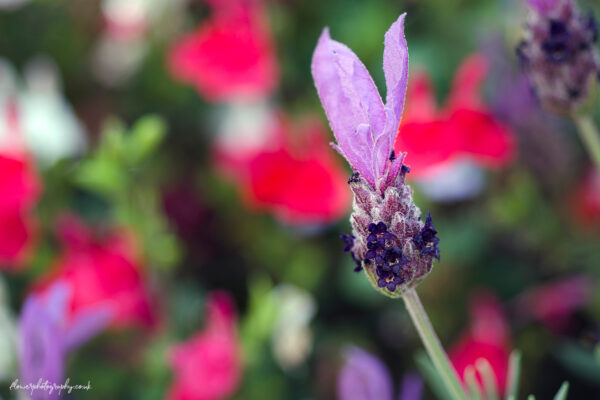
x,y
463,129
103,271
585,202
208,366
20,188
229,56
294,176
487,338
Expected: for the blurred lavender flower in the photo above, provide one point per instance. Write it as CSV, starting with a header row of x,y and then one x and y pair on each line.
x,y
558,53
412,387
46,336
385,220
365,377
542,139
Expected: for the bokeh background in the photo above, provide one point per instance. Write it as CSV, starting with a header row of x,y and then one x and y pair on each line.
x,y
168,160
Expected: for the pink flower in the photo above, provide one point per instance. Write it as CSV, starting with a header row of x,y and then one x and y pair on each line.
x,y
488,337
103,271
20,189
208,366
463,130
554,302
293,175
229,56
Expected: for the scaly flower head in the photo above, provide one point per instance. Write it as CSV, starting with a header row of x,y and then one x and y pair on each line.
x,y
558,53
389,241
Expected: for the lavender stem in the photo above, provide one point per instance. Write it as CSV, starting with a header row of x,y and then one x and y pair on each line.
x,y
432,344
590,136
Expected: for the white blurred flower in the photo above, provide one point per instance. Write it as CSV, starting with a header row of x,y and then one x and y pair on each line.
x,y
292,339
47,122
12,4
124,43
246,128
459,180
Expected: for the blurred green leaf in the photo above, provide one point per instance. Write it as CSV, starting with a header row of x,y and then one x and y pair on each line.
x,y
101,176
472,383
580,361
256,326
112,140
489,379
431,376
513,375
145,136
562,392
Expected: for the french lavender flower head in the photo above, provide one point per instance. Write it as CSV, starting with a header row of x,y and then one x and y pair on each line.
x,y
558,53
389,241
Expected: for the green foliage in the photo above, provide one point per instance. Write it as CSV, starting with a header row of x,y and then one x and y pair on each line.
x,y
120,170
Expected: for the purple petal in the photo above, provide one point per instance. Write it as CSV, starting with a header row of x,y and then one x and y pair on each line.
x,y
543,6
412,387
395,67
40,352
86,325
351,101
55,301
364,377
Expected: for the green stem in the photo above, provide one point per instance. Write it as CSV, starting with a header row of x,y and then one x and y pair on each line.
x,y
432,345
590,136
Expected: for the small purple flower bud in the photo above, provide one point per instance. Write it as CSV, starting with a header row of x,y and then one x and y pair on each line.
x,y
426,240
389,241
558,54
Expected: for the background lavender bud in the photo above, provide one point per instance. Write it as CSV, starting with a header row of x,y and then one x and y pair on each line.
x,y
559,56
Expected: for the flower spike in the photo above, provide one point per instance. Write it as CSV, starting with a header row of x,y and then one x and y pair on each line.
x,y
389,241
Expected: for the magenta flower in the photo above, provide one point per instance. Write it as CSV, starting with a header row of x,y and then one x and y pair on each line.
x,y
208,365
48,333
363,126
389,241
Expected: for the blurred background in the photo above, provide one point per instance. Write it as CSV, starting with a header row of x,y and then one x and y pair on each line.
x,y
170,208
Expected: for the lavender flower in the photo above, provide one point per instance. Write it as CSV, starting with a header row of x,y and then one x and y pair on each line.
x,y
558,53
46,336
365,377
389,241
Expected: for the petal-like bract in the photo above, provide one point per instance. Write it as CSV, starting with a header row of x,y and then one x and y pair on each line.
x,y
363,127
